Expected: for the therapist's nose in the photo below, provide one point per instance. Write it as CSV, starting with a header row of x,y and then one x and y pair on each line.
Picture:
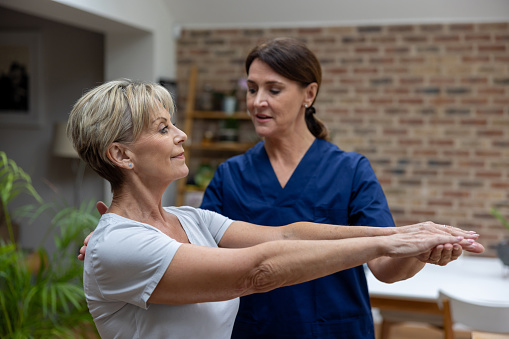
x,y
260,100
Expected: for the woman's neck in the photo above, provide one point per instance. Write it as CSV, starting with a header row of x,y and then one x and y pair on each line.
x,y
137,202
286,153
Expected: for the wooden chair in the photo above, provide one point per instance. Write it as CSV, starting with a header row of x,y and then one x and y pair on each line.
x,y
397,311
481,316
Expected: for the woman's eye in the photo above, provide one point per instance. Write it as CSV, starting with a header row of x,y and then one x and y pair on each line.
x,y
164,130
251,90
275,91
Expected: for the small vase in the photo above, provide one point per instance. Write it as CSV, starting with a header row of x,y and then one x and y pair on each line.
x,y
503,252
229,104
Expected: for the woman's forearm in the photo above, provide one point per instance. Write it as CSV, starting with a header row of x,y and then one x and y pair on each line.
x,y
315,231
291,262
287,263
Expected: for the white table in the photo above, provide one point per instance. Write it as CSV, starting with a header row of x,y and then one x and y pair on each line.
x,y
471,278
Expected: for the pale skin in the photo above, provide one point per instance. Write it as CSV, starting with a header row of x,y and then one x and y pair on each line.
x,y
253,258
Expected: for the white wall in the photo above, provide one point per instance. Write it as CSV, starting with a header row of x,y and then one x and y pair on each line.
x,y
124,23
292,13
71,60
135,41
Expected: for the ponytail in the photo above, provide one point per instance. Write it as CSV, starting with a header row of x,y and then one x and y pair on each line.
x,y
315,125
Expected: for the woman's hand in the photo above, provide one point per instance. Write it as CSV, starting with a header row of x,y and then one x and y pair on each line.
x,y
102,208
444,254
83,248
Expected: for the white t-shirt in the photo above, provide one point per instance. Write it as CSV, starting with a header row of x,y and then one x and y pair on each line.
x,y
124,262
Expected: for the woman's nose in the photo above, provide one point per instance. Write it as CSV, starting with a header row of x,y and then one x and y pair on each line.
x,y
260,99
180,136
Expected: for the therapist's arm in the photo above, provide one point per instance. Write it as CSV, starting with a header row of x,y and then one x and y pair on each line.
x,y
243,234
390,270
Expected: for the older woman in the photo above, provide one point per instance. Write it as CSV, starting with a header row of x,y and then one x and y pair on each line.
x,y
177,272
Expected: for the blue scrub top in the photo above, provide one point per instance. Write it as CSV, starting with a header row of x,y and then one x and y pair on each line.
x,y
328,186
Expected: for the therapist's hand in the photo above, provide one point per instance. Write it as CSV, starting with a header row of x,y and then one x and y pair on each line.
x,y
441,255
444,254
102,208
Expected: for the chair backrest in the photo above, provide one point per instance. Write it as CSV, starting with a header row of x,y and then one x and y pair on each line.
x,y
482,316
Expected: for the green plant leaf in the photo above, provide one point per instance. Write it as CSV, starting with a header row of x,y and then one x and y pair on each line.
x,y
498,215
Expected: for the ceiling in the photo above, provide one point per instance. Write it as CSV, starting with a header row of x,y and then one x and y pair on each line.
x,y
280,13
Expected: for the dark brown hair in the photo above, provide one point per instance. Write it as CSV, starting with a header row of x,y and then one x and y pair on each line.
x,y
292,59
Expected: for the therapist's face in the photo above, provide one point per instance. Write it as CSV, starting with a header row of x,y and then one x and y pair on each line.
x,y
276,104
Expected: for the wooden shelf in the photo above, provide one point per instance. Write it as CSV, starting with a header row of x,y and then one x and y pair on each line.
x,y
219,149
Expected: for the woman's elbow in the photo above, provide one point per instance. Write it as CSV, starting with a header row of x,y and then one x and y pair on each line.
x,y
262,279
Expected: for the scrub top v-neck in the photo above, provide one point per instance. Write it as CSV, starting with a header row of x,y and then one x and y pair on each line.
x,y
328,186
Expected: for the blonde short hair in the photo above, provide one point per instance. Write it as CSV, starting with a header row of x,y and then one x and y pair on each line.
x,y
116,111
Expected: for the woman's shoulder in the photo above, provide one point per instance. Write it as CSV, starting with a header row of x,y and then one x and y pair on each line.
x,y
196,214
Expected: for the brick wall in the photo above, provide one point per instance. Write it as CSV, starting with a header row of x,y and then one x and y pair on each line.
x,y
427,104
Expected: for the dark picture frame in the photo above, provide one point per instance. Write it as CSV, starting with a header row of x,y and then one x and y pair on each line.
x,y
19,78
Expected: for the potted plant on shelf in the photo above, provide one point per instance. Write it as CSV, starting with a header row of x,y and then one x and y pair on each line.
x,y
503,246
41,295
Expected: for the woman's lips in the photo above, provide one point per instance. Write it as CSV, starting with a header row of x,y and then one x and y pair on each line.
x,y
263,116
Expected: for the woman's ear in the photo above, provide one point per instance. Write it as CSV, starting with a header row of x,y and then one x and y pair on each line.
x,y
311,91
119,155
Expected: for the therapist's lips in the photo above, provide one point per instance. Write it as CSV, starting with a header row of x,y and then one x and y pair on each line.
x,y
263,117
179,156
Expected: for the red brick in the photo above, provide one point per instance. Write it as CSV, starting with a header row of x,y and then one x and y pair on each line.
x,y
425,152
381,60
397,50
504,185
381,101
488,175
447,38
310,30
457,194
431,28
365,70
461,27
440,203
474,101
501,37
494,48
366,50
400,28
477,122
383,39
411,101
415,39
487,153
395,131
478,37
464,49
410,142
397,90
498,26
491,91
475,58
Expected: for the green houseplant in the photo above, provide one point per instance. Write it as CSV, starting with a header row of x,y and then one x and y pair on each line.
x,y
503,246
41,295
